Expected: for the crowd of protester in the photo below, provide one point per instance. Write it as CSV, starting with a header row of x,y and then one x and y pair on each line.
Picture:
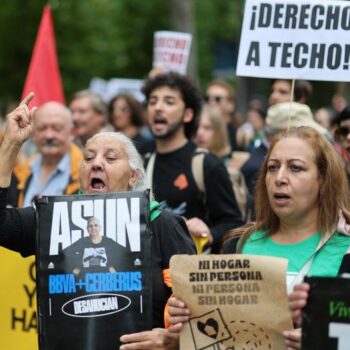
x,y
270,168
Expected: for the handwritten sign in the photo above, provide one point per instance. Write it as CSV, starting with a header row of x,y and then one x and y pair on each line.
x,y
172,50
236,301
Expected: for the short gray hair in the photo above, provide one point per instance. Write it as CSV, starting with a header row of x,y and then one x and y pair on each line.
x,y
97,103
134,158
93,218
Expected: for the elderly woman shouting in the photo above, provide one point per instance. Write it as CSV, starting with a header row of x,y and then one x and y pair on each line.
x,y
111,164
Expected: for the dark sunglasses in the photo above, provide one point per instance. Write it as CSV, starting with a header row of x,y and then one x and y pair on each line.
x,y
217,99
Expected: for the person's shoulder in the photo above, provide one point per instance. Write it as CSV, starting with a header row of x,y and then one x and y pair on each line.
x,y
166,223
212,158
233,237
341,239
110,241
212,162
172,233
23,169
166,218
81,241
258,234
231,245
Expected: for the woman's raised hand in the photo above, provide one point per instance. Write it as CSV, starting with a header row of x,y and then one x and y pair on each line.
x,y
20,122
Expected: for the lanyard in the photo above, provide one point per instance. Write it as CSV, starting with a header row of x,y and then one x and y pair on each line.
x,y
307,265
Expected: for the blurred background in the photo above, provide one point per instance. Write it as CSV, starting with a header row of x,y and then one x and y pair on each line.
x,y
114,39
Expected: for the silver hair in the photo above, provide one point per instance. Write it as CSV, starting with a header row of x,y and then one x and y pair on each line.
x,y
97,103
134,158
93,218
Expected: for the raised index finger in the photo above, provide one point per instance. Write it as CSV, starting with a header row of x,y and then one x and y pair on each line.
x,y
27,99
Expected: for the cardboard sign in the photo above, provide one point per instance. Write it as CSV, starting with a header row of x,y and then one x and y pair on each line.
x,y
94,270
171,51
295,39
326,317
18,316
237,301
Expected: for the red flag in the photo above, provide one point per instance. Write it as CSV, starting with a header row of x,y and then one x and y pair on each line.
x,y
44,77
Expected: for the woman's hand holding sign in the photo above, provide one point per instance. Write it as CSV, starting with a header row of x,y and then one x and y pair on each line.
x,y
156,339
178,314
297,300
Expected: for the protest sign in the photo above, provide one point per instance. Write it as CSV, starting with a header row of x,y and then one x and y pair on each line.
x,y
93,269
295,39
17,302
112,87
326,317
171,51
236,301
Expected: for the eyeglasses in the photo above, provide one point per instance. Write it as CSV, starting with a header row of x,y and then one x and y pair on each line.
x,y
216,99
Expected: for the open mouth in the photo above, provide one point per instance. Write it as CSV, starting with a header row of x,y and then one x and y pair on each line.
x,y
159,120
97,183
281,197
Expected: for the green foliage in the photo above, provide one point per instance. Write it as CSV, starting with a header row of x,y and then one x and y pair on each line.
x,y
105,38
19,21
218,20
108,38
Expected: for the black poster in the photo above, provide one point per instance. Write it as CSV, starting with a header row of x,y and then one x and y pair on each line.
x,y
326,318
93,270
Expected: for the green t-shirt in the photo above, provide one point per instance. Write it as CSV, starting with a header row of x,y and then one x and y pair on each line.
x,y
326,262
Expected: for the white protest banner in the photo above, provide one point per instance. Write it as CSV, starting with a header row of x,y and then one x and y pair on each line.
x,y
115,86
171,50
295,39
125,86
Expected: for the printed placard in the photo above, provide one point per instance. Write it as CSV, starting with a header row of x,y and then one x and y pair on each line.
x,y
18,302
93,269
171,51
236,301
295,39
326,317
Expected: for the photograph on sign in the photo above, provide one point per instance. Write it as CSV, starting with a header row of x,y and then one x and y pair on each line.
x,y
94,270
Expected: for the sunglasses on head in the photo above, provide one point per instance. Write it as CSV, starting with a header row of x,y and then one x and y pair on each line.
x,y
217,99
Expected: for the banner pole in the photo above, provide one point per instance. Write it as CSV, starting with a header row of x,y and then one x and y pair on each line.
x,y
291,101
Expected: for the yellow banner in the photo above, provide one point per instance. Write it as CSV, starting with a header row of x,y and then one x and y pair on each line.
x,y
17,302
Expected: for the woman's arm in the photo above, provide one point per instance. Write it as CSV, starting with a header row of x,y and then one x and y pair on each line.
x,y
17,226
19,127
